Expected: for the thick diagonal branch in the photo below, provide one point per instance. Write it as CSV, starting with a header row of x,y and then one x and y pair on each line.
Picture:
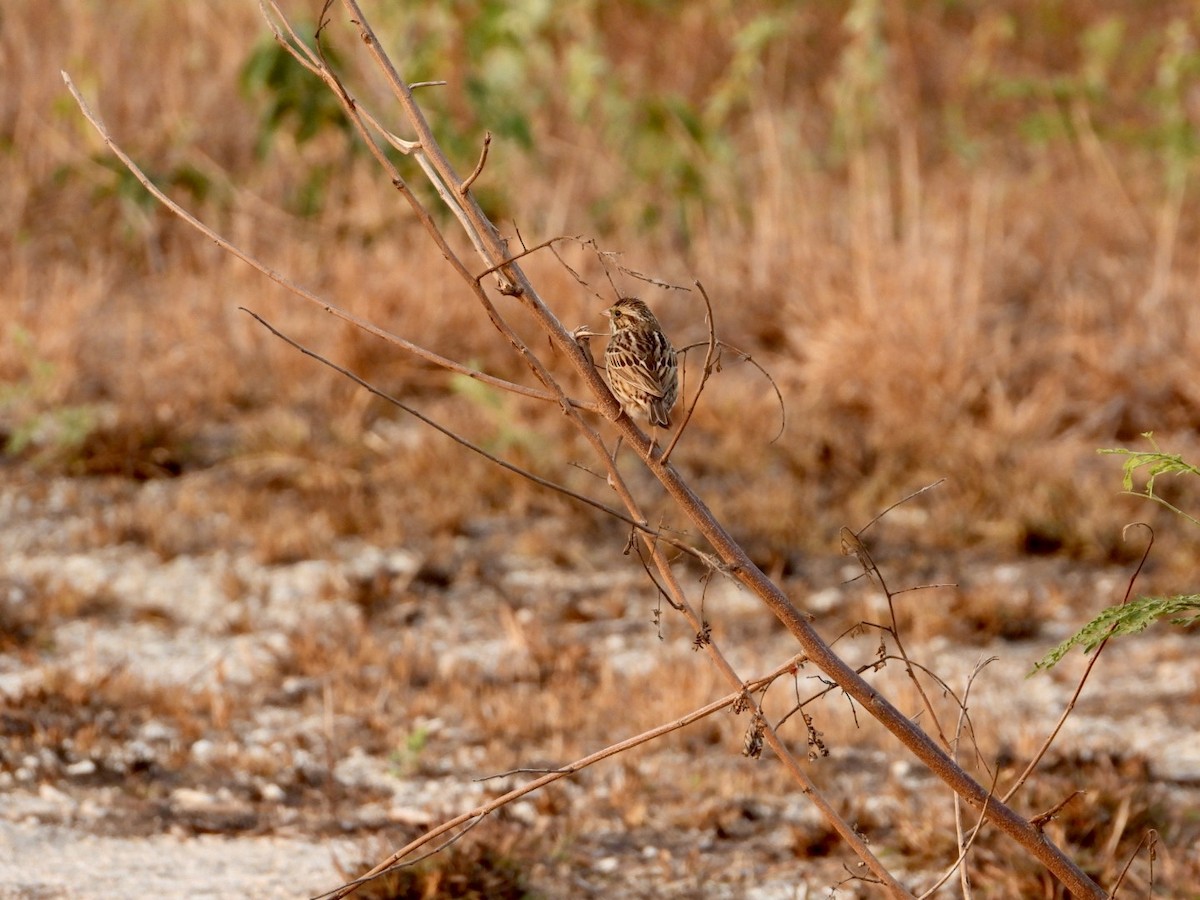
x,y
488,243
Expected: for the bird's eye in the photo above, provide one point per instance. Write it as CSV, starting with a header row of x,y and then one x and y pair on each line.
x,y
616,314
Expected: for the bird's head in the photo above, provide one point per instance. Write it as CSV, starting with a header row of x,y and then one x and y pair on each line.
x,y
630,312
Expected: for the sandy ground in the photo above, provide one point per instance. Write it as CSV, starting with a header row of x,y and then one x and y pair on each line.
x,y
161,810
47,861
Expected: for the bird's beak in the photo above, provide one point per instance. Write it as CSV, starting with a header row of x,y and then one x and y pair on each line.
x,y
607,313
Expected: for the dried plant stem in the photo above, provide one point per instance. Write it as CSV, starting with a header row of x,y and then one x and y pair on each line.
x,y
1087,670
550,777
486,239
513,281
852,545
710,357
617,482
285,282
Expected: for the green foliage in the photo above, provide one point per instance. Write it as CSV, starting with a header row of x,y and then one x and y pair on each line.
x,y
1127,618
531,72
28,409
492,406
406,760
547,79
1158,463
862,71
1140,613
1177,79
1130,90
293,94
137,205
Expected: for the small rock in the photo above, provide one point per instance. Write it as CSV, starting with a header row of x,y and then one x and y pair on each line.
x,y
51,794
81,769
191,800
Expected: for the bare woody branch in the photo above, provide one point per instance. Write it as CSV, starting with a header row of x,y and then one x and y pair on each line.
x,y
491,247
615,479
578,765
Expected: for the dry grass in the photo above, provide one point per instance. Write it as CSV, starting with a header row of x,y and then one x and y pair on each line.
x,y
991,319
939,288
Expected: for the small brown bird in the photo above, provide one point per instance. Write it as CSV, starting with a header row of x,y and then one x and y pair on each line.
x,y
643,371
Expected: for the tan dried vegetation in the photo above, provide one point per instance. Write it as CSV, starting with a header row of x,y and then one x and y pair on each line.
x,y
953,267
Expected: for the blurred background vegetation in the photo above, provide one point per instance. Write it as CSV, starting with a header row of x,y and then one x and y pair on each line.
x,y
961,237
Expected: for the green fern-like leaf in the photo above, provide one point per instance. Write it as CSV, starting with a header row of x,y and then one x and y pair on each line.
x,y
1156,462
1129,618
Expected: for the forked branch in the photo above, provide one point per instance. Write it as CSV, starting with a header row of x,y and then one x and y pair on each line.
x,y
492,249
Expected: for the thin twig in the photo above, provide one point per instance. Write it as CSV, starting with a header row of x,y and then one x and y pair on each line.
x,y
709,359
917,493
964,718
745,357
852,545
483,155
287,283
457,438
1039,821
1150,840
1037,757
549,242
966,848
548,778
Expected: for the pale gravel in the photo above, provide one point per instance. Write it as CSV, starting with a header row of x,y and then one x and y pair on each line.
x,y
1131,707
50,861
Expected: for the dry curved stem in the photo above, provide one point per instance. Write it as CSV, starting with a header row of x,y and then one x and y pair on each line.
x,y
610,257
1150,841
1037,757
285,282
852,545
1039,821
393,861
963,719
913,496
605,257
709,360
966,848
513,281
745,357
483,155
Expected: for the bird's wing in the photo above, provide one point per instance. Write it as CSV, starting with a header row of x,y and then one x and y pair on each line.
x,y
633,369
